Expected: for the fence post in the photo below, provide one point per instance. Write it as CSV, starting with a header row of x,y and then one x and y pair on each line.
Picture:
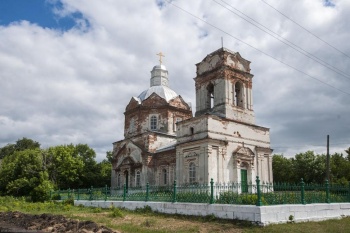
x,y
258,203
124,192
106,190
68,193
211,191
147,191
78,194
174,192
302,184
327,192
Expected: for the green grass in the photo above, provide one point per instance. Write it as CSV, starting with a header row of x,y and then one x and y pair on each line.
x,y
144,220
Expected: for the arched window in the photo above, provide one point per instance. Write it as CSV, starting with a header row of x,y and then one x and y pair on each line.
x,y
239,94
192,173
165,176
210,96
138,179
153,122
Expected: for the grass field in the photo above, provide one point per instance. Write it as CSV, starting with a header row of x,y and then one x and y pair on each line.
x,y
144,220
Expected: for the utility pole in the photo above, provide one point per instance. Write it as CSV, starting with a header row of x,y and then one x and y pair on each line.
x,y
328,158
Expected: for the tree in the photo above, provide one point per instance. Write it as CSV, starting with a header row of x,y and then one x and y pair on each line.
x,y
7,150
63,167
20,145
340,169
109,156
26,143
348,154
282,169
90,172
22,174
104,176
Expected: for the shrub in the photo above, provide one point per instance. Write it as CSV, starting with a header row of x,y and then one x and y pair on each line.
x,y
116,212
231,197
145,210
195,197
69,201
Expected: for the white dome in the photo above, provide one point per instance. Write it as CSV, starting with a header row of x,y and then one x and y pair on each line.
x,y
161,67
163,91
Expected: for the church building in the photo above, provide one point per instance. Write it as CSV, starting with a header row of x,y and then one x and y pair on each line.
x,y
164,142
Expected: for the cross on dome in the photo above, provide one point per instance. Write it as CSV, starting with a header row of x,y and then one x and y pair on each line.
x,y
160,54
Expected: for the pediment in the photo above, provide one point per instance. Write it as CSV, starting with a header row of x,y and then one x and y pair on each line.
x,y
129,153
154,100
243,152
178,102
236,61
127,161
133,103
209,63
222,57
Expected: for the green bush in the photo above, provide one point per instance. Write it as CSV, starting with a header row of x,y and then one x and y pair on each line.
x,y
69,201
144,210
231,197
116,213
56,197
194,197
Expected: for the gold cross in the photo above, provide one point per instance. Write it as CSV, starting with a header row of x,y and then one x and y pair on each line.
x,y
160,57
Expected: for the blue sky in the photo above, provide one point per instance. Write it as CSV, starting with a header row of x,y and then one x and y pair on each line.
x,y
62,84
38,12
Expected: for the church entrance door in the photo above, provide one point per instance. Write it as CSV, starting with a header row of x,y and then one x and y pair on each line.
x,y
244,181
126,180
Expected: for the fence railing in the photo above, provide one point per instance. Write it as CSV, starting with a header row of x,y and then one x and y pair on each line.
x,y
219,193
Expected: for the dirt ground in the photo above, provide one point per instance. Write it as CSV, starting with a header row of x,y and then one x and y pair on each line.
x,y
26,223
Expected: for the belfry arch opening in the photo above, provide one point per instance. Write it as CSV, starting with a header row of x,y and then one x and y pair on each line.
x,y
238,94
210,96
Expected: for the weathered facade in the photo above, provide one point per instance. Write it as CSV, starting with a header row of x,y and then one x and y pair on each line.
x,y
164,142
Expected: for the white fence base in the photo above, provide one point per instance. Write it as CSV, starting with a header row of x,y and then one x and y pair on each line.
x,y
262,215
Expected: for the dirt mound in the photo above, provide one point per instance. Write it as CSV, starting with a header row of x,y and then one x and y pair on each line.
x,y
20,222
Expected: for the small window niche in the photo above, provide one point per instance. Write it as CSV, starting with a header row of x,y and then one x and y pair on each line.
x,y
153,123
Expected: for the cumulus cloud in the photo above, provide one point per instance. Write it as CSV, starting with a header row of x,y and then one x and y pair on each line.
x,y
72,86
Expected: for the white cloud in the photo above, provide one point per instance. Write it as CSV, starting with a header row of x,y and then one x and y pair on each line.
x,y
72,86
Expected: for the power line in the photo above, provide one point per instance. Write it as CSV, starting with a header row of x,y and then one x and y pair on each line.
x,y
317,145
283,40
266,54
306,29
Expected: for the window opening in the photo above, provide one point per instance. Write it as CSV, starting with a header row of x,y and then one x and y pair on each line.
x,y
239,94
126,180
138,179
118,181
192,173
192,130
165,176
153,123
178,119
210,102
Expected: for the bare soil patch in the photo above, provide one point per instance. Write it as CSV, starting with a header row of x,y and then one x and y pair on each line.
x,y
20,222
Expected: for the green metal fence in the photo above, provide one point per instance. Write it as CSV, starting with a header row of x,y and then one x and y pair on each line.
x,y
219,193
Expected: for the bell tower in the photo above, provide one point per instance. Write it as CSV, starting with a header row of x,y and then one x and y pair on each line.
x,y
224,86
